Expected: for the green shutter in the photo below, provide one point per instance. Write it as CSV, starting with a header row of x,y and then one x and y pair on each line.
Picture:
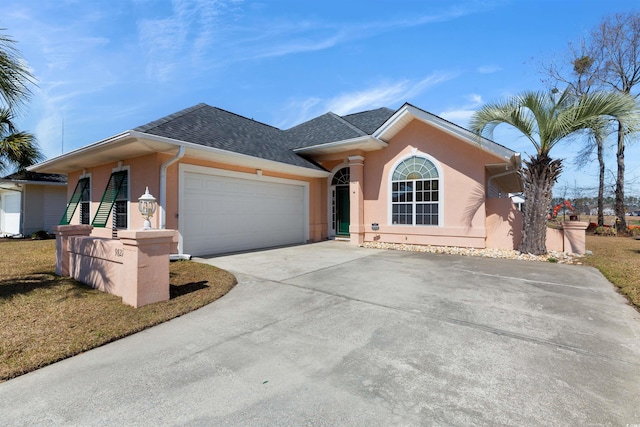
x,y
75,199
109,198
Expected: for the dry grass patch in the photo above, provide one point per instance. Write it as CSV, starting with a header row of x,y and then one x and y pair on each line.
x,y
618,258
45,318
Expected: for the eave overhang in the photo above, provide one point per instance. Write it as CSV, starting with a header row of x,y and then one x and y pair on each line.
x,y
507,175
362,143
17,182
131,144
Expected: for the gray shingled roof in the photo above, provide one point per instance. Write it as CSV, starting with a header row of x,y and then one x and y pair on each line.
x,y
35,176
330,127
369,121
321,130
213,127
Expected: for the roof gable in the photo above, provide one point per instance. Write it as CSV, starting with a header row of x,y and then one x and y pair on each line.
x,y
324,129
405,114
369,121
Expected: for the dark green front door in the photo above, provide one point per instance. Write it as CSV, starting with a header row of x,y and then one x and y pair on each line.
x,y
343,210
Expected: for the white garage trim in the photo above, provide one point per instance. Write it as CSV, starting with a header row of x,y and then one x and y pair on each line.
x,y
10,213
183,218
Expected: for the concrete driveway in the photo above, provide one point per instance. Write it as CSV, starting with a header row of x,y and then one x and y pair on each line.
x,y
330,334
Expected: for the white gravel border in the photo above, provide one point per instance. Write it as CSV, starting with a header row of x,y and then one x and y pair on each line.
x,y
559,257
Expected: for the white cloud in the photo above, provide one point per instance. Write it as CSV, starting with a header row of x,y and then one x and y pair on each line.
x,y
300,111
382,95
264,39
175,42
489,69
460,115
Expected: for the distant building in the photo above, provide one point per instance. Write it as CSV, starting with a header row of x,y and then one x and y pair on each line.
x,y
606,211
518,200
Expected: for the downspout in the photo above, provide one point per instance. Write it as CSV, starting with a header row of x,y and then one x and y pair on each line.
x,y
163,198
163,186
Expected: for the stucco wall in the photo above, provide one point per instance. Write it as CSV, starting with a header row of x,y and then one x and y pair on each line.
x,y
145,171
504,224
463,175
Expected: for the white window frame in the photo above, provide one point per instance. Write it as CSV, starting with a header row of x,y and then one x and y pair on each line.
x,y
441,210
83,176
113,210
331,198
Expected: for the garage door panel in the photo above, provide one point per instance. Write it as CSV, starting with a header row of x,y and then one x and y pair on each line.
x,y
225,214
10,213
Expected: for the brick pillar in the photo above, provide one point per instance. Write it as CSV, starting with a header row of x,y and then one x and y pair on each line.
x,y
63,232
146,265
356,199
574,236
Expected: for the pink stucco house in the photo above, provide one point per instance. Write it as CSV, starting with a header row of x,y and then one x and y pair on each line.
x,y
228,183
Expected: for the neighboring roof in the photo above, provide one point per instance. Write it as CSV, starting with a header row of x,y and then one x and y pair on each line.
x,y
216,128
35,177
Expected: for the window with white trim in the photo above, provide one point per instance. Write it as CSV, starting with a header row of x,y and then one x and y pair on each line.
x,y
415,197
120,207
85,202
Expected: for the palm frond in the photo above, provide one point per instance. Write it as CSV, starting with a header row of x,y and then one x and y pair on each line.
x,y
20,149
15,76
509,112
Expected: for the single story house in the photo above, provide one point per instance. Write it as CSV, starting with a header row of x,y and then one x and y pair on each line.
x,y
31,202
229,183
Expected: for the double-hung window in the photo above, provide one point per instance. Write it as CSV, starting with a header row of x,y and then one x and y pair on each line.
x,y
114,203
415,193
85,202
81,197
120,208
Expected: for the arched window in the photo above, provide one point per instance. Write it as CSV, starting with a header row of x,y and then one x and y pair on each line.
x,y
415,196
341,177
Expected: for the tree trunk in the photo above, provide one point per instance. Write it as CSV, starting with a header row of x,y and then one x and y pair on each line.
x,y
619,204
540,173
600,145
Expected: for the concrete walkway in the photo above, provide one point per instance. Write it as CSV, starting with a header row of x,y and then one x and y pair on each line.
x,y
330,334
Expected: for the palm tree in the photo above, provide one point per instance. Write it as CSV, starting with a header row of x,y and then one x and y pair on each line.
x,y
546,119
18,149
14,74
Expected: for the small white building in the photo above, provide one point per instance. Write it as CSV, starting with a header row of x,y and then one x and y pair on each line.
x,y
31,202
518,200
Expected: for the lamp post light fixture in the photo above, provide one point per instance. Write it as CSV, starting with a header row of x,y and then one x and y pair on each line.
x,y
147,206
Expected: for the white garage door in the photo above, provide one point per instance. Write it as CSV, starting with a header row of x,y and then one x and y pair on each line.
x,y
220,214
10,213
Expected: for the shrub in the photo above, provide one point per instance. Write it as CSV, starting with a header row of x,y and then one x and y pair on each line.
x,y
40,235
605,231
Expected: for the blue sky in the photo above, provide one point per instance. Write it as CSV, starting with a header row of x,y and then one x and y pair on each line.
x,y
105,66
